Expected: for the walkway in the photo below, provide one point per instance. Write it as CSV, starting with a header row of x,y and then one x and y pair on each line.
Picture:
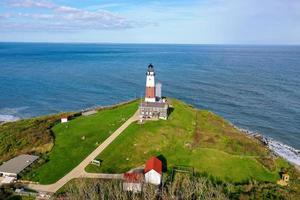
x,y
79,172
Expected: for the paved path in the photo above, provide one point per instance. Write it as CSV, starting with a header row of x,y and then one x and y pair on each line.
x,y
79,172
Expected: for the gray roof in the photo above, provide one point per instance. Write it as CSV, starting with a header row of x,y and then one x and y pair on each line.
x,y
154,104
89,112
17,164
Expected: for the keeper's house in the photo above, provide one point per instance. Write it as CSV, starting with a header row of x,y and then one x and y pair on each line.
x,y
154,110
154,106
15,166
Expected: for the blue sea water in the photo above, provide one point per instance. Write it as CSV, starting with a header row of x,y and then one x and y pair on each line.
x,y
254,87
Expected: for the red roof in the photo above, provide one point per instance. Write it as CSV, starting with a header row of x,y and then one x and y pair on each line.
x,y
133,177
155,164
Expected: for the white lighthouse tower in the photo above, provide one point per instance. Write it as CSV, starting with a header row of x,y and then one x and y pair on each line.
x,y
154,106
150,84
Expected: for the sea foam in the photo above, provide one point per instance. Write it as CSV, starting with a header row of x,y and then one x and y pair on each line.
x,y
289,153
8,118
285,151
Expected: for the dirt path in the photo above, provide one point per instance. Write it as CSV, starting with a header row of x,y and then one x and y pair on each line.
x,y
79,172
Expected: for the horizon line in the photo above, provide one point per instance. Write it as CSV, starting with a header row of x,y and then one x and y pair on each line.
x,y
154,43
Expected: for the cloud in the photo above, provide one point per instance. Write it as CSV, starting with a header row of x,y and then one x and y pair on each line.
x,y
191,21
52,27
5,16
68,23
60,17
32,3
67,9
35,16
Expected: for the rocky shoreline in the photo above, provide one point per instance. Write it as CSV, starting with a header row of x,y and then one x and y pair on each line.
x,y
289,153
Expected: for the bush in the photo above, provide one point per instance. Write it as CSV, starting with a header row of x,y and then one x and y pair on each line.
x,y
184,188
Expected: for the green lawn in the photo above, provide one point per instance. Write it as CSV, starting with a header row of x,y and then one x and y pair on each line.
x,y
70,148
190,137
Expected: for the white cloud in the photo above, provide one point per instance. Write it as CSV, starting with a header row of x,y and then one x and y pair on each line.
x,y
67,9
5,16
35,16
194,21
32,3
61,17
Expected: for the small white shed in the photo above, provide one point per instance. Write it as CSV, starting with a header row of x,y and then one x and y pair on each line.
x,y
64,119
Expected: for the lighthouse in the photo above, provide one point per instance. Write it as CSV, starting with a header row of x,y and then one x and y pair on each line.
x,y
150,84
155,106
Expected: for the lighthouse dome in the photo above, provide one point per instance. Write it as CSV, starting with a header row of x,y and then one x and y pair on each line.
x,y
150,68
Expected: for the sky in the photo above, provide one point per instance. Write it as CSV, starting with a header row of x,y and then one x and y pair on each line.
x,y
151,21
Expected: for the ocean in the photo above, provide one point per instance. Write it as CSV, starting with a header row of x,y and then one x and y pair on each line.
x,y
254,87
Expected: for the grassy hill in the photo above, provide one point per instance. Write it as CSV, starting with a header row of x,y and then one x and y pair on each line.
x,y
76,139
26,136
196,138
190,137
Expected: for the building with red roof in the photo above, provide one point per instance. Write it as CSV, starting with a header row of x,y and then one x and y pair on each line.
x,y
133,182
153,171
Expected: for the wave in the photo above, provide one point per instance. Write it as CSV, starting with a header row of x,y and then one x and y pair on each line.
x,y
11,114
287,152
8,118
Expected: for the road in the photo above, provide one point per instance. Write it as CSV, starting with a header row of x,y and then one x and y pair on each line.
x,y
78,171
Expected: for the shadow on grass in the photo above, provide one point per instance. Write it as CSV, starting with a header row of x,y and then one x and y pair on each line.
x,y
163,159
171,109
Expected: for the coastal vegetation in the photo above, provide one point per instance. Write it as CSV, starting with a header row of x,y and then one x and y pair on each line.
x,y
195,138
26,136
200,188
183,186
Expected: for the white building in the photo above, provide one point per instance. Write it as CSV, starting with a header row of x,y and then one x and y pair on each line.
x,y
64,119
158,87
153,110
153,171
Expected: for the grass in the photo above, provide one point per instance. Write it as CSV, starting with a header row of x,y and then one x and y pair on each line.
x,y
77,139
191,137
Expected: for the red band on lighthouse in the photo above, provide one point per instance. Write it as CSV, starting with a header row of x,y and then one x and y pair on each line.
x,y
150,92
